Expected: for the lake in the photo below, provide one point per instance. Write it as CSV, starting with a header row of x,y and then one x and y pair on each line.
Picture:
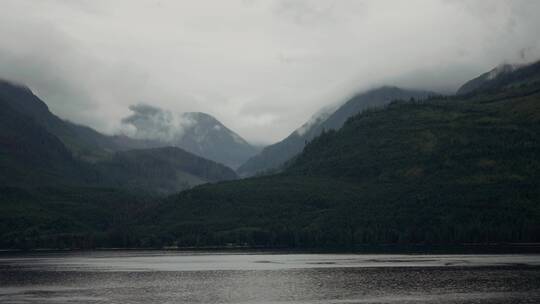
x,y
197,277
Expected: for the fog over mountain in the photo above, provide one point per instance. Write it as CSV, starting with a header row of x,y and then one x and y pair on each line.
x,y
148,122
195,132
260,67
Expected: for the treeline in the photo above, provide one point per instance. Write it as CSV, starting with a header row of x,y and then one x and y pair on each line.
x,y
399,214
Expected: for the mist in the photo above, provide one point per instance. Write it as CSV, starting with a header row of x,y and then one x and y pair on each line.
x,y
263,68
149,122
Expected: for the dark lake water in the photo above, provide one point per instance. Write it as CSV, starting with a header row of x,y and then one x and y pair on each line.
x,y
181,277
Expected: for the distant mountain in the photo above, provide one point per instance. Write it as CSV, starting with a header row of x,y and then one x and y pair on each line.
x,y
504,75
211,139
39,149
274,156
196,132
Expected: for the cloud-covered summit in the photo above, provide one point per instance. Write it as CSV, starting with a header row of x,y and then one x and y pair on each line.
x,y
195,132
149,122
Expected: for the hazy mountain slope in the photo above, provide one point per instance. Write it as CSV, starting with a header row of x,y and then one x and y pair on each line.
x,y
82,141
210,139
503,76
274,156
448,170
196,132
165,170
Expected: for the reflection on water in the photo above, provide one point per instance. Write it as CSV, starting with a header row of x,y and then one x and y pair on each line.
x,y
170,277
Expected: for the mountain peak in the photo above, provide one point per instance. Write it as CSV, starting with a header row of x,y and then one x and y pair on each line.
x,y
197,132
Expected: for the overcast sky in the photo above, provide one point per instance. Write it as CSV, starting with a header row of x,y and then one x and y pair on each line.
x,y
261,67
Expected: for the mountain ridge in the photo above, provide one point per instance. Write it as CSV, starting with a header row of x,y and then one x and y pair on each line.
x,y
276,155
501,76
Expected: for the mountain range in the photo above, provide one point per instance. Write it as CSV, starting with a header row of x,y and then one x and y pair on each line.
x,y
424,170
504,75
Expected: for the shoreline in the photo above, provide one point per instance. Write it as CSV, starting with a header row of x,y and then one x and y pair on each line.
x,y
469,248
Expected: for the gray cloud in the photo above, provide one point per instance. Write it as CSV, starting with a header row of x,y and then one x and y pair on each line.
x,y
261,67
149,122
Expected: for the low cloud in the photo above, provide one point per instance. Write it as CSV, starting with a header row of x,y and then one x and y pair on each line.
x,y
260,67
149,122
